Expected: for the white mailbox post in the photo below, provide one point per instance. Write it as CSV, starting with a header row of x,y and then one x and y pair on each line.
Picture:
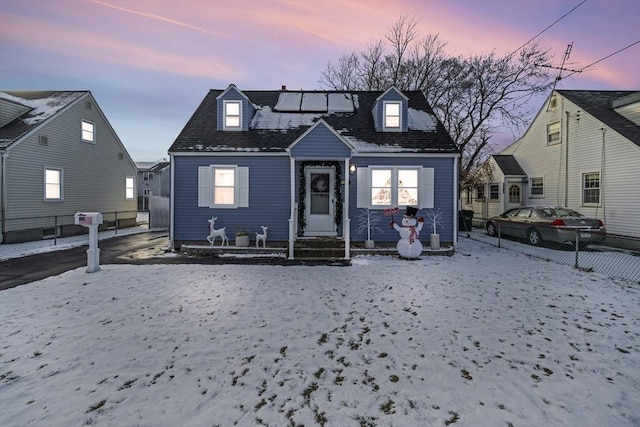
x,y
91,220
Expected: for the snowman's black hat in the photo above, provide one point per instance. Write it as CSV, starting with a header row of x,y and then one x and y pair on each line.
x,y
411,211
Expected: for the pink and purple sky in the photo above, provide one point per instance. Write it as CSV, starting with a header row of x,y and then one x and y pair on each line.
x,y
149,63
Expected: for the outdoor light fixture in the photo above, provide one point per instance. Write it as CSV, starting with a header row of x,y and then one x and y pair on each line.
x,y
352,168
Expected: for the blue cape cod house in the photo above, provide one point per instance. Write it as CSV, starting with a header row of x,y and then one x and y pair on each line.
x,y
307,163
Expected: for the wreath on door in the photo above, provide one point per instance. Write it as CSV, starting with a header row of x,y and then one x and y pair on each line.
x,y
302,191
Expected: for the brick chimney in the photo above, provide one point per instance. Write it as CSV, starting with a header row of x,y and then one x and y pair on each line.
x,y
284,88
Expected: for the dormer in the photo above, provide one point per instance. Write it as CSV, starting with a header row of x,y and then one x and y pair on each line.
x,y
234,110
390,111
10,110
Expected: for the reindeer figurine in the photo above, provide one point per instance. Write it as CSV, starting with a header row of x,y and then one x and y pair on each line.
x,y
262,237
213,233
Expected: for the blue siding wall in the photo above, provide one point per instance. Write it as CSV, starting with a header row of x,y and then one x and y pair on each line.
x,y
247,108
269,200
378,110
321,142
443,198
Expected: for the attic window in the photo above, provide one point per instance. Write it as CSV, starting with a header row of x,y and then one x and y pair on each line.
x,y
553,103
553,133
232,115
392,116
88,105
88,131
43,140
120,156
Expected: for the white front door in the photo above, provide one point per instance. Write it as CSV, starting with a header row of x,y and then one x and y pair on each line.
x,y
320,202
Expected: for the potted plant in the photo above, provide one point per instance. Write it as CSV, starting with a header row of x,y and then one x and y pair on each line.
x,y
366,221
242,237
434,218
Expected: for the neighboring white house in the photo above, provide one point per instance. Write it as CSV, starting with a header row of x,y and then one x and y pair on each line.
x,y
59,155
154,179
582,151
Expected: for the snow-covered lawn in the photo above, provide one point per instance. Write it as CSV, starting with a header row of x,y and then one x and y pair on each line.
x,y
487,337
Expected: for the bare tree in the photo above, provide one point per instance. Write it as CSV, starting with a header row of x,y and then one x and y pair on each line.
x,y
473,96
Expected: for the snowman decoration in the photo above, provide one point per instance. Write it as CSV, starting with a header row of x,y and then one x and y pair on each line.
x,y
409,245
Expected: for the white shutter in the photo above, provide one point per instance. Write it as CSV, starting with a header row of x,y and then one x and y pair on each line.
x,y
363,195
243,187
426,188
204,187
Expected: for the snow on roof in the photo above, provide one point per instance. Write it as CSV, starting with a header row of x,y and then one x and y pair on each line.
x,y
43,108
265,118
369,147
421,120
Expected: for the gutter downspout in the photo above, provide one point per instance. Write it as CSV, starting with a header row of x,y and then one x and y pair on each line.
x,y
172,193
346,221
566,164
3,193
292,203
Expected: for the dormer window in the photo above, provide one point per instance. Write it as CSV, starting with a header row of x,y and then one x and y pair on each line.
x,y
392,116
232,115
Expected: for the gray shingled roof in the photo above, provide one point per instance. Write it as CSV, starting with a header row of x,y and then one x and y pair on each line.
x,y
43,105
508,164
598,103
201,129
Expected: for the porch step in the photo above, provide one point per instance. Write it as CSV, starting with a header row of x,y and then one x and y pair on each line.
x,y
320,248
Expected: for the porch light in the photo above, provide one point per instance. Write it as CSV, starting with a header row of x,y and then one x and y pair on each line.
x,y
352,168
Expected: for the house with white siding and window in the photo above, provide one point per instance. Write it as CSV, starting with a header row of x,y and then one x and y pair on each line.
x,y
59,155
582,151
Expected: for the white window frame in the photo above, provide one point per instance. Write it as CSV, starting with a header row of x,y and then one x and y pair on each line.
x,y
585,189
227,116
206,187
60,185
425,186
554,134
480,193
88,135
386,116
495,187
147,176
129,188
515,193
532,186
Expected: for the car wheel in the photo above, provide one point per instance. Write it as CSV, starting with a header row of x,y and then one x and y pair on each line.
x,y
533,236
491,229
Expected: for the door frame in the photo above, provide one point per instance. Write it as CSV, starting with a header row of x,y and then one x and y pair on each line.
x,y
330,229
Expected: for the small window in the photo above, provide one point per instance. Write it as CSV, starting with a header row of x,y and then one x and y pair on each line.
x,y
591,188
537,187
53,184
494,192
146,192
88,131
147,176
232,115
88,105
392,116
43,140
514,193
480,192
553,103
553,133
129,188
120,156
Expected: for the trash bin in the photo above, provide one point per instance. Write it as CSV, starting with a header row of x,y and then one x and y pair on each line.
x,y
465,220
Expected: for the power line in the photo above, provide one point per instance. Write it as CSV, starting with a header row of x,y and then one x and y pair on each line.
x,y
602,59
541,32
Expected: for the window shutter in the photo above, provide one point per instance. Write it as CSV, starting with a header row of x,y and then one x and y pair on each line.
x,y
204,186
364,192
426,188
243,187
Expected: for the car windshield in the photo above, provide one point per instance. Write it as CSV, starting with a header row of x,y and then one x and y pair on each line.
x,y
560,212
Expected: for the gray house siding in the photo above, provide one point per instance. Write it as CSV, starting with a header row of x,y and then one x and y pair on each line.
x,y
443,200
269,198
93,174
321,143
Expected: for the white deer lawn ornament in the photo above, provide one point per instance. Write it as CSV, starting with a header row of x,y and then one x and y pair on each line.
x,y
213,233
262,237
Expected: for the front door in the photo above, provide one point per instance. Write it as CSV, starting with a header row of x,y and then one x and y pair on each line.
x,y
320,202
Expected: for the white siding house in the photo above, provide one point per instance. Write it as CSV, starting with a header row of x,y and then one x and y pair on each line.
x,y
582,151
59,155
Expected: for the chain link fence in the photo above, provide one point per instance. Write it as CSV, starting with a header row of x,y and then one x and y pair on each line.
x,y
23,235
611,255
